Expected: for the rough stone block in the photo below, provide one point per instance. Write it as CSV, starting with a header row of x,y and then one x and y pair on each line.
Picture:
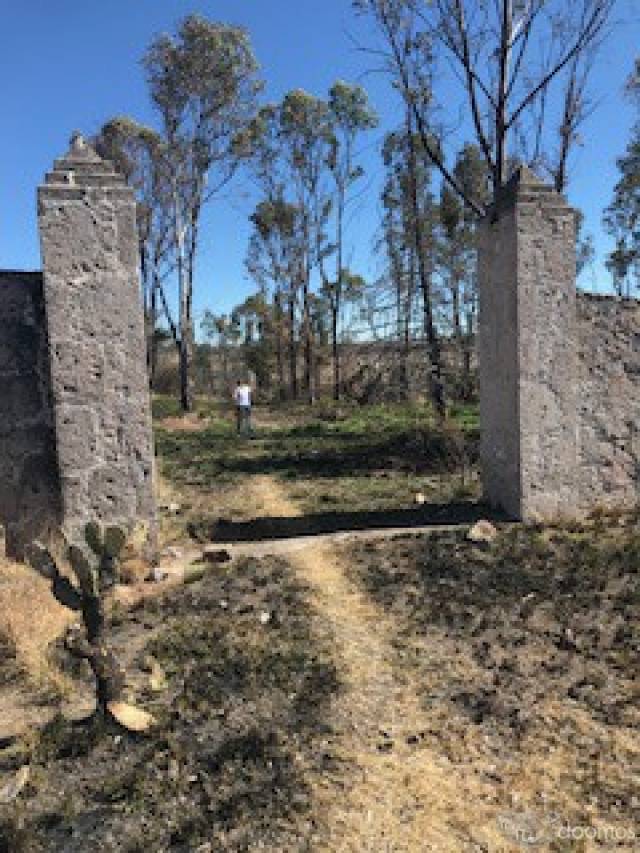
x,y
96,332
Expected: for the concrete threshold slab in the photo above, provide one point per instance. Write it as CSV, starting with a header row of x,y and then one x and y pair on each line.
x,y
296,543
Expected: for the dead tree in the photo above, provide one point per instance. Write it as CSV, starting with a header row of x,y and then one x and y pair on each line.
x,y
505,56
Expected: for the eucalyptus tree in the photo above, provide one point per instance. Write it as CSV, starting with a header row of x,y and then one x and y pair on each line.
x,y
303,156
138,153
273,261
457,251
306,137
223,332
277,247
452,253
350,115
203,83
513,60
255,319
422,223
622,217
410,176
400,249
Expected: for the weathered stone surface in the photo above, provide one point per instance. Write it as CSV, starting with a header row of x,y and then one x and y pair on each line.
x,y
608,348
559,372
482,533
75,430
96,334
29,490
498,362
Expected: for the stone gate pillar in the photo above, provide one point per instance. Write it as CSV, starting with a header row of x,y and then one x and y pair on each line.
x,y
95,324
527,354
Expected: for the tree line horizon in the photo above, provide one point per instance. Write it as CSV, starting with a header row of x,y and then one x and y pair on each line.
x,y
524,68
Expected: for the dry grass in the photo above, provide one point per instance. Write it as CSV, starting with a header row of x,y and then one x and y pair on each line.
x,y
523,656
184,423
391,799
241,725
30,620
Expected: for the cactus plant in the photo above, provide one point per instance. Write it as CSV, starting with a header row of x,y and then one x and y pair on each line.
x,y
94,558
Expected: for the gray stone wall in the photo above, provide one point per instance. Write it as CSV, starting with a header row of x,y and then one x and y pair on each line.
x,y
87,219
499,362
559,373
29,493
608,348
546,272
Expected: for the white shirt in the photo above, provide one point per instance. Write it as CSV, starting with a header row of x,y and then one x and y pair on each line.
x,y
242,395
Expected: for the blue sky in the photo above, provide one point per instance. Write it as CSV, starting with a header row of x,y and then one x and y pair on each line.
x,y
74,63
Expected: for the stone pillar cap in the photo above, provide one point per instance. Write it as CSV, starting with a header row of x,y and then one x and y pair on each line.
x,y
82,166
526,186
79,149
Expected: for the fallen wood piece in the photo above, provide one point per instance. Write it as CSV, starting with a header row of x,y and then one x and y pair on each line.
x,y
13,788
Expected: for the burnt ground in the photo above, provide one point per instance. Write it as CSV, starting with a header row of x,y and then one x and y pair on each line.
x,y
239,738
413,693
526,659
416,693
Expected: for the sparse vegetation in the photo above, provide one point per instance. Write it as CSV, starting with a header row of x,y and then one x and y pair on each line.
x,y
239,744
525,658
293,692
338,457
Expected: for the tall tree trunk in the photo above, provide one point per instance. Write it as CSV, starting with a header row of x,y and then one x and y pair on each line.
x,y
433,342
468,350
186,360
335,308
317,362
408,317
336,352
153,339
279,343
293,352
457,321
436,389
308,343
455,308
398,274
185,346
500,173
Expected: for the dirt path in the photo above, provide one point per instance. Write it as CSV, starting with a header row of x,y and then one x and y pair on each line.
x,y
402,796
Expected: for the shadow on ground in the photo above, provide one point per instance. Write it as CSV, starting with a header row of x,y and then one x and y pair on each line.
x,y
268,528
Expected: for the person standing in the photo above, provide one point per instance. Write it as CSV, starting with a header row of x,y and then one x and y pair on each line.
x,y
242,399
